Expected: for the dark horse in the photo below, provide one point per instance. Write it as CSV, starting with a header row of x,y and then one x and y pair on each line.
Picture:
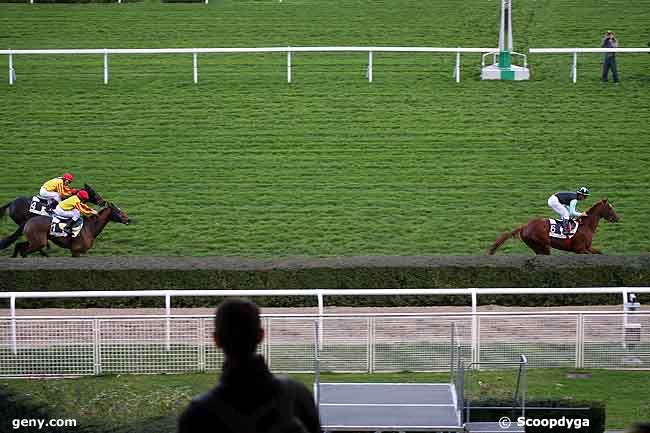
x,y
37,231
19,212
536,233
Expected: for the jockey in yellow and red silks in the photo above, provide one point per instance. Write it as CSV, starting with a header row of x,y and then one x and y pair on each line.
x,y
58,188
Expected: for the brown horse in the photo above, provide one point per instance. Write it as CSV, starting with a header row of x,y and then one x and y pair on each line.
x,y
19,212
536,233
37,231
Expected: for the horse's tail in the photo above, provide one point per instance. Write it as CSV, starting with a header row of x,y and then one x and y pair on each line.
x,y
4,243
4,208
503,237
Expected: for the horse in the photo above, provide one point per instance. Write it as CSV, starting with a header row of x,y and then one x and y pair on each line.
x,y
19,212
535,233
37,231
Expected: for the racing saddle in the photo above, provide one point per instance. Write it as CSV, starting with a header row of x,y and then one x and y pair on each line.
x,y
557,231
61,227
42,206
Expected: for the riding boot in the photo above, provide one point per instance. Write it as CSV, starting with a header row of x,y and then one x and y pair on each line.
x,y
68,227
566,228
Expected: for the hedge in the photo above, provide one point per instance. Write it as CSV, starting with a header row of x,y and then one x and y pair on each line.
x,y
43,274
594,411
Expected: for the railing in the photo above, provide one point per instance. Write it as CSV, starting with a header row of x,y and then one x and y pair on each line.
x,y
364,343
575,51
320,295
196,51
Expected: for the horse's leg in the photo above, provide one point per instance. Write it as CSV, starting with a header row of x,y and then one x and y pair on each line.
x,y
594,251
43,252
18,248
76,253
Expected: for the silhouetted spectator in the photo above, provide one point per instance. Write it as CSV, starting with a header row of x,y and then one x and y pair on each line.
x,y
248,398
609,41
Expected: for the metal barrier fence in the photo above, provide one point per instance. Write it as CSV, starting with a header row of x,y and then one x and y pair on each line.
x,y
55,346
576,51
105,52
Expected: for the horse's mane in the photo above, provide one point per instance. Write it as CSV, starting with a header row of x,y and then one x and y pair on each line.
x,y
600,202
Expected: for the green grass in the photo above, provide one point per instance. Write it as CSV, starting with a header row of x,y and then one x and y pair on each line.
x,y
244,164
123,401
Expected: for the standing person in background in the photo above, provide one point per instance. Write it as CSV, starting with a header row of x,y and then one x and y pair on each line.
x,y
609,62
248,398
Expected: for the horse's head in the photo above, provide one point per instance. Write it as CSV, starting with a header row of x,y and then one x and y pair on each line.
x,y
93,196
608,212
117,214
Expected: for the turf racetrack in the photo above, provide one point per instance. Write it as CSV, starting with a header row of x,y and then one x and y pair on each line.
x,y
244,164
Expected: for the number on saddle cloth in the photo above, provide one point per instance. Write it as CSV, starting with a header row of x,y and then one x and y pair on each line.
x,y
61,227
278,414
557,231
39,206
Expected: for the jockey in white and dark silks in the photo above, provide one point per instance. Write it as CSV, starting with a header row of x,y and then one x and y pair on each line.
x,y
564,203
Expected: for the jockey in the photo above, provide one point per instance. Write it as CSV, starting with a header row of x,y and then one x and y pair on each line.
x,y
73,207
58,188
564,203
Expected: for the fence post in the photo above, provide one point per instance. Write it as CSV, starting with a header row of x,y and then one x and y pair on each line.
x,y
475,328
97,360
288,65
267,337
580,362
14,342
321,308
196,68
574,69
457,73
371,344
12,73
201,345
317,363
370,66
168,312
105,66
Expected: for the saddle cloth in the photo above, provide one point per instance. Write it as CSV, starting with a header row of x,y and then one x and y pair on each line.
x,y
39,206
59,224
556,231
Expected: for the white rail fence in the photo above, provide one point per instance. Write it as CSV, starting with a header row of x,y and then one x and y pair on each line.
x,y
45,346
576,51
196,51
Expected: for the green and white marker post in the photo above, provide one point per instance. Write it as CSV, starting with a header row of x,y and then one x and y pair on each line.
x,y
504,69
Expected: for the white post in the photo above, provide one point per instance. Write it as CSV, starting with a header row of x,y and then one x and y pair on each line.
x,y
574,70
475,326
12,74
206,2
370,66
288,66
457,73
196,68
321,308
12,306
168,312
105,66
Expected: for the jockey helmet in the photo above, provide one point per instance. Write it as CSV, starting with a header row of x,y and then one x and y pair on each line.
x,y
583,190
83,194
67,176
